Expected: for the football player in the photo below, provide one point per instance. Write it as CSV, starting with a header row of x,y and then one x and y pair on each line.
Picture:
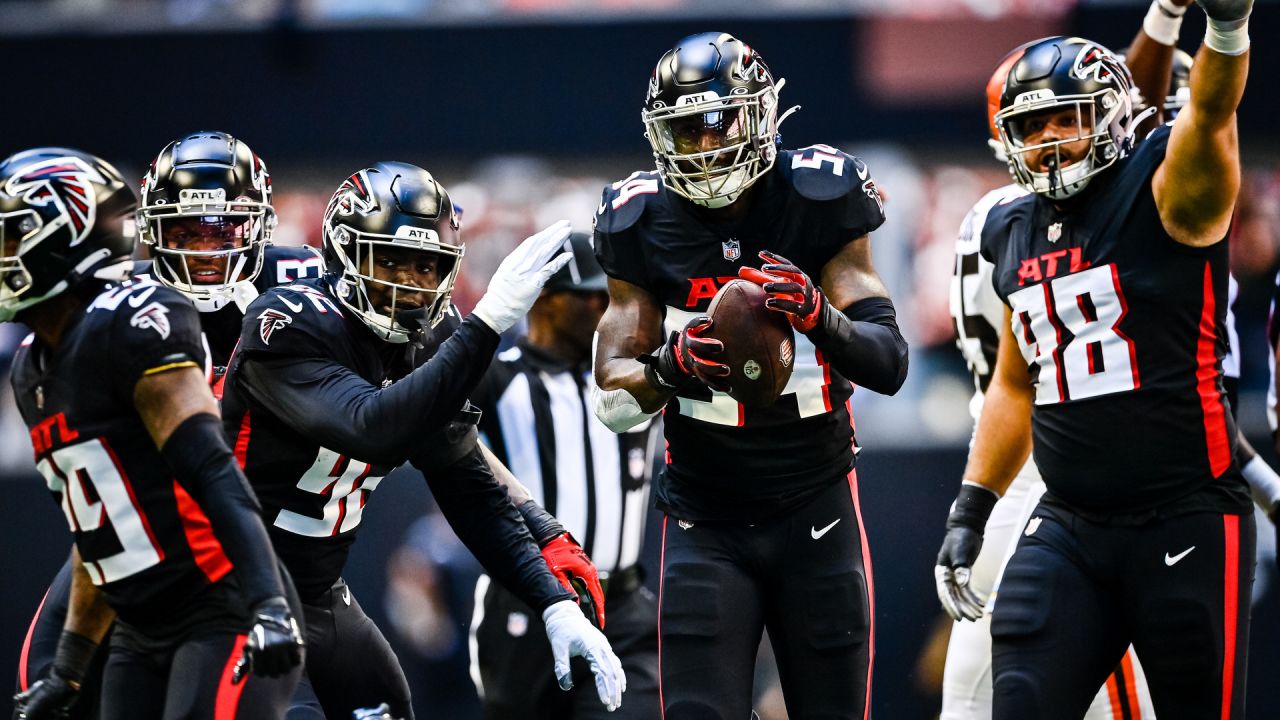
x,y
168,540
207,218
1114,274
331,388
762,527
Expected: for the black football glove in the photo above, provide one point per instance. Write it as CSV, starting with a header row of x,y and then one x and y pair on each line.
x,y
687,356
954,567
790,289
49,699
275,644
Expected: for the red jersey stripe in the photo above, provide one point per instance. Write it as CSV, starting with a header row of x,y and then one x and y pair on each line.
x,y
1215,416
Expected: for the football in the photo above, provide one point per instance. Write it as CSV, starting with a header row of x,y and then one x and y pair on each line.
x,y
759,345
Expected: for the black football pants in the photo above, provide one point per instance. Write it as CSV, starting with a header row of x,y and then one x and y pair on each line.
x,y
41,644
805,576
1075,594
513,658
188,678
350,665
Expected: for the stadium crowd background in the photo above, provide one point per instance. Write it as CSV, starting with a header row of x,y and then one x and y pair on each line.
x,y
525,109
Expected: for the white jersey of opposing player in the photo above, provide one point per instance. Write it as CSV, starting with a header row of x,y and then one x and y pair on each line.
x,y
978,314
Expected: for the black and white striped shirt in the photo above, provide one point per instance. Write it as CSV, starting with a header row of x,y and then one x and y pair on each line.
x,y
538,420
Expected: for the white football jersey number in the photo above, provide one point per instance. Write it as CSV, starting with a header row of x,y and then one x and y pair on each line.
x,y
346,492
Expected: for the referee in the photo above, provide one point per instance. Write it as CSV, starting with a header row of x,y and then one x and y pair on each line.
x,y
538,420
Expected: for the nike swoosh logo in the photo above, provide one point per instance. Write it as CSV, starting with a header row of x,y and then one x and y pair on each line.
x,y
862,169
346,595
296,307
137,300
816,533
1171,561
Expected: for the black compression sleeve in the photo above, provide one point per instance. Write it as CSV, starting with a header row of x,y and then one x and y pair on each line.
x,y
484,519
344,412
864,344
197,453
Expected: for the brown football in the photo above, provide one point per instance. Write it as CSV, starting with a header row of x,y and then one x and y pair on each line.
x,y
759,346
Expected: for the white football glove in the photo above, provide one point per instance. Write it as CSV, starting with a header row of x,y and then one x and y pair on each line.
x,y
571,635
519,279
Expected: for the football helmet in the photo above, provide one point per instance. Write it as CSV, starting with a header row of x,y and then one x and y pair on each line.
x,y
206,215
711,116
65,216
1058,73
391,204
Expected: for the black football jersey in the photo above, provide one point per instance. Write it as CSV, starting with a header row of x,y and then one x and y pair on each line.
x,y
281,265
1124,332
142,536
726,461
313,498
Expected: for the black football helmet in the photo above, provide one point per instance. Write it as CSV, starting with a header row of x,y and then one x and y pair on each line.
x,y
711,116
207,188
65,216
1067,72
397,204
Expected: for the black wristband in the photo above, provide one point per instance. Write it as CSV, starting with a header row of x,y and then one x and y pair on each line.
x,y
75,653
972,508
543,526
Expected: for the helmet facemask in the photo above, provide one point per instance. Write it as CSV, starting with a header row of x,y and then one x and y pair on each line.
x,y
1103,118
710,150
357,251
17,229
208,276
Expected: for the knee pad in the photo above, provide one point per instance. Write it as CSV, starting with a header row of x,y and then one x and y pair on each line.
x,y
693,600
1026,595
1016,695
836,611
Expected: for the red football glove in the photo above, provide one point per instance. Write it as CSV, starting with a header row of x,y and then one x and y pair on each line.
x,y
577,574
687,356
790,290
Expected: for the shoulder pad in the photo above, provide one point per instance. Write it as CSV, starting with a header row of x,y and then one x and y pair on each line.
x,y
137,291
623,202
286,264
971,228
1000,216
821,172
296,319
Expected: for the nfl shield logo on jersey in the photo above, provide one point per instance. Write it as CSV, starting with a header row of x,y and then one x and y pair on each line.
x,y
732,250
1055,232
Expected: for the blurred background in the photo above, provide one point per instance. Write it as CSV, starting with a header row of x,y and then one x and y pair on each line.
x,y
525,109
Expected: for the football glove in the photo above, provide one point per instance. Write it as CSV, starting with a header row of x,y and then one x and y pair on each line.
x,y
575,571
960,547
519,279
275,644
572,636
48,699
790,290
382,712
688,356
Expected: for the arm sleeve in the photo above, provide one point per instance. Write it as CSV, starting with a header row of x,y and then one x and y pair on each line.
x,y
482,515
343,411
864,344
197,453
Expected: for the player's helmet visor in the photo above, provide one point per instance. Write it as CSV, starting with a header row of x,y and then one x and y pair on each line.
x,y
204,244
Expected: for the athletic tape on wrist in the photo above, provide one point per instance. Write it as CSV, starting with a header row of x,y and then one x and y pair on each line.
x,y
1163,22
1227,37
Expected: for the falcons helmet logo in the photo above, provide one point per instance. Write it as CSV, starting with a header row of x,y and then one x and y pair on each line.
x,y
353,196
65,183
270,321
155,317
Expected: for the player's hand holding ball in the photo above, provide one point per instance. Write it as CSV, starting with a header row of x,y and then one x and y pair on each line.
x,y
688,356
791,291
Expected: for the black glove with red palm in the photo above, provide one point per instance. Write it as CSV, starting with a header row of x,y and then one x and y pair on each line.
x,y
688,356
791,291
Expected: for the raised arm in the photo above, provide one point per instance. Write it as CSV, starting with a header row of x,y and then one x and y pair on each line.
x,y
1195,187
1150,55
